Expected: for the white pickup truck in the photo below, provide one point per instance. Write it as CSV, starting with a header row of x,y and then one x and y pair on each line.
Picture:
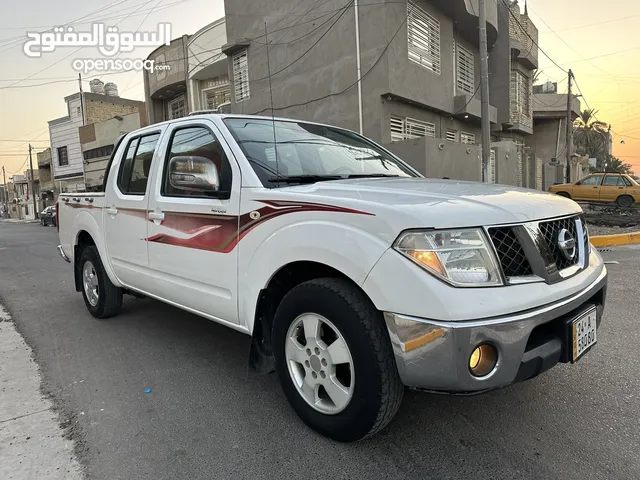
x,y
354,275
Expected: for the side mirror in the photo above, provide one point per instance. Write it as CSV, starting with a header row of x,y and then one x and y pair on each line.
x,y
194,174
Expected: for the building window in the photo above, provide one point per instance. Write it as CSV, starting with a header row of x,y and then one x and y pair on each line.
x,y
423,36
452,135
63,158
212,98
98,152
520,97
241,76
404,128
177,108
465,68
468,138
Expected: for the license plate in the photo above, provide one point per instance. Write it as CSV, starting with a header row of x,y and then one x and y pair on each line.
x,y
584,333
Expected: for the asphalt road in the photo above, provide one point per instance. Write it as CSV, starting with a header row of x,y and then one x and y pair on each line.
x,y
206,418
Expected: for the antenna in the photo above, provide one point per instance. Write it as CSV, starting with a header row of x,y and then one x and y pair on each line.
x,y
273,118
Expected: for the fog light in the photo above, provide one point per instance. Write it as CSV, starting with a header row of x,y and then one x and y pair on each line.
x,y
483,360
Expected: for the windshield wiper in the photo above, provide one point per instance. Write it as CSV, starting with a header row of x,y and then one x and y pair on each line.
x,y
372,175
305,178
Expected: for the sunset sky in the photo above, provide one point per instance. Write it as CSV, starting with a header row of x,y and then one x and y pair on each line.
x,y
598,40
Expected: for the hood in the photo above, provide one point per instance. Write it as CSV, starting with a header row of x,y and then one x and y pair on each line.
x,y
420,202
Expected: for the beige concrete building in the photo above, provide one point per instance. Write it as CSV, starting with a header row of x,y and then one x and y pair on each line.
x,y
82,109
97,141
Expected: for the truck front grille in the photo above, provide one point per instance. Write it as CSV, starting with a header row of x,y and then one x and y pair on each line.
x,y
512,258
532,251
550,232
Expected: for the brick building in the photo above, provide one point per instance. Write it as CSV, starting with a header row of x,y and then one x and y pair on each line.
x,y
82,109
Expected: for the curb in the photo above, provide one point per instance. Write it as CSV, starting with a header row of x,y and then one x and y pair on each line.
x,y
610,240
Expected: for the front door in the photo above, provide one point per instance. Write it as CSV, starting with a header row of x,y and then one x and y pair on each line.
x,y
612,187
587,189
192,236
125,217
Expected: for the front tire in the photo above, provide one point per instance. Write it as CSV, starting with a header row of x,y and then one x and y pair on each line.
x,y
563,194
334,360
102,298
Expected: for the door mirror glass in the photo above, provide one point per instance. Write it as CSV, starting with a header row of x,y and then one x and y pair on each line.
x,y
194,174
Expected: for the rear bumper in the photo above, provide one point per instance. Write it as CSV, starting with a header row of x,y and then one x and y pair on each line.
x,y
63,255
434,355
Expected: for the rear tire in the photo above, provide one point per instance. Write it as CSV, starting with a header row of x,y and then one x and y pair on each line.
x,y
625,201
563,194
102,298
372,392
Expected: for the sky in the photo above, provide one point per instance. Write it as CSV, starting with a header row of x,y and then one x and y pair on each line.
x,y
598,40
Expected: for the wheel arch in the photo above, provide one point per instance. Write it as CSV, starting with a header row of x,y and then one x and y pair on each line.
x,y
88,233
280,283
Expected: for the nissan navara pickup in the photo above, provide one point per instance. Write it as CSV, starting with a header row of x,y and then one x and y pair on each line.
x,y
354,275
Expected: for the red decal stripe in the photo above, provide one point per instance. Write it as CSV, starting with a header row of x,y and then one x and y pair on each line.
x,y
231,229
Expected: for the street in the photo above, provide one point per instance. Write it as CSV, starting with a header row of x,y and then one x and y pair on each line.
x,y
206,417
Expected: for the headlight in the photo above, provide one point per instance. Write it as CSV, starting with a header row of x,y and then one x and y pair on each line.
x,y
459,257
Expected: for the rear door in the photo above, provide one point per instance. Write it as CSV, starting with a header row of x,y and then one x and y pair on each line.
x,y
192,236
612,187
125,217
588,189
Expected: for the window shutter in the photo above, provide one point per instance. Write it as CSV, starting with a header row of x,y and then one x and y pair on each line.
x,y
452,135
468,138
241,76
465,69
423,36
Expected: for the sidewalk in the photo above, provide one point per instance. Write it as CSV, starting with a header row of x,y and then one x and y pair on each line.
x,y
15,220
31,443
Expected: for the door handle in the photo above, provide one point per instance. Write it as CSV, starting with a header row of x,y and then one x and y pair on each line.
x,y
112,211
156,216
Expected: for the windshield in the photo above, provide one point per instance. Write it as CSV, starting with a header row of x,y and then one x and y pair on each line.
x,y
308,153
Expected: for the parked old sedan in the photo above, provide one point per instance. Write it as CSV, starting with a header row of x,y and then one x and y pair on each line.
x,y
48,216
622,189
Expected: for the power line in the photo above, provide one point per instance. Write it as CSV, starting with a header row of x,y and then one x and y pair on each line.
x,y
350,86
524,30
72,53
570,47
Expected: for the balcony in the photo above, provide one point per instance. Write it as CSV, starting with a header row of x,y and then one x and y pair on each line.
x,y
469,108
465,13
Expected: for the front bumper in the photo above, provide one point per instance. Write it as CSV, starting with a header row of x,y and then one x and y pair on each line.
x,y
434,355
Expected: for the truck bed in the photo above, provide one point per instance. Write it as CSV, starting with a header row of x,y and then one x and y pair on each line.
x,y
81,211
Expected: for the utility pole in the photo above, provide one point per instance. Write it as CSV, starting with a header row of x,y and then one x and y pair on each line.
x,y
6,194
484,92
33,182
358,71
569,134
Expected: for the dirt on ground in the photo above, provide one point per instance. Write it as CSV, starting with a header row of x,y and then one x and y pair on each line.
x,y
611,220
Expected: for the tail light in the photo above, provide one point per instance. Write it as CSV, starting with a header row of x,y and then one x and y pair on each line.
x,y
57,216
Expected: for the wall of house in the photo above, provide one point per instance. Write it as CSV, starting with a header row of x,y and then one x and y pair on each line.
x,y
64,132
548,140
102,134
99,110
436,158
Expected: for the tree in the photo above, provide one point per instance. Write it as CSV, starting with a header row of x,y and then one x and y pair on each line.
x,y
591,136
616,165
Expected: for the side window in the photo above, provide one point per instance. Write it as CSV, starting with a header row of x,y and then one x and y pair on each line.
x,y
613,181
592,181
134,171
197,141
626,181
